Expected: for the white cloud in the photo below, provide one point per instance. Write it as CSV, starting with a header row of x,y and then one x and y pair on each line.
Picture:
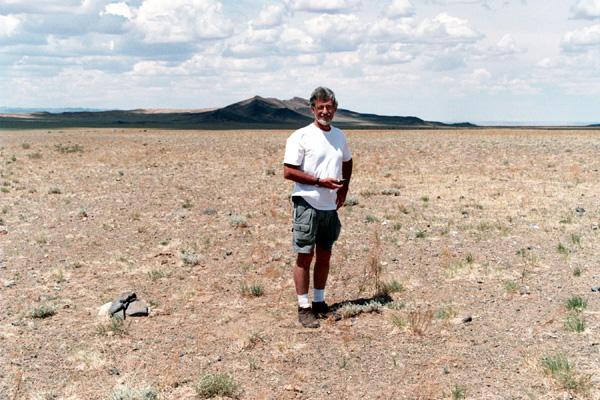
x,y
8,25
399,8
587,9
320,6
342,33
119,9
270,16
582,39
445,27
394,53
386,29
180,21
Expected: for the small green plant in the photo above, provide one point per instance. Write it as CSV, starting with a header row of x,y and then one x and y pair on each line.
x,y
576,303
211,385
445,313
398,321
458,392
563,372
189,257
470,259
576,240
577,272
561,248
392,286
238,221
156,274
397,226
187,204
43,311
566,219
396,305
252,290
420,234
424,199
4,189
351,201
370,218
511,286
115,326
574,323
352,310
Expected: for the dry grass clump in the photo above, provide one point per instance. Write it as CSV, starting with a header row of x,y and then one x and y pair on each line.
x,y
212,385
419,321
563,373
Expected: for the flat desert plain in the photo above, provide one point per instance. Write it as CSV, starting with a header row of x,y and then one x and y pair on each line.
x,y
485,243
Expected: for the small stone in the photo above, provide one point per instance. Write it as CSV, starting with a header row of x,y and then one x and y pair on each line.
x,y
137,309
291,388
524,290
209,211
121,302
580,211
103,310
595,288
9,283
467,319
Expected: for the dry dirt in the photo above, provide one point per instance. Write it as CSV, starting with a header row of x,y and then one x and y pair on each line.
x,y
471,223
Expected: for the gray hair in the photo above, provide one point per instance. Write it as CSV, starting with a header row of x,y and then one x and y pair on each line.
x,y
322,93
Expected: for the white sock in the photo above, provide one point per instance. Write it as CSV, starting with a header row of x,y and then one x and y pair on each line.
x,y
303,301
318,295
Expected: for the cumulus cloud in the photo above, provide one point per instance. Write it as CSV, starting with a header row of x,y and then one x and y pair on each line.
x,y
320,6
582,39
270,16
586,9
8,25
445,27
342,33
182,21
399,9
389,53
119,9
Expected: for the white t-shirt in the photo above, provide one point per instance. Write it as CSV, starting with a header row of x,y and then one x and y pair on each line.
x,y
320,154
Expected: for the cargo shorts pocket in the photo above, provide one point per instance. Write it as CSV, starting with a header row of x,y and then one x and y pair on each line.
x,y
303,225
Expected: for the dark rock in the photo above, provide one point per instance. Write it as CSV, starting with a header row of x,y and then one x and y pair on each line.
x,y
595,288
580,211
467,319
121,302
137,309
209,211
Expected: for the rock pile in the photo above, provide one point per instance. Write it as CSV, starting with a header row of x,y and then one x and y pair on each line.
x,y
125,305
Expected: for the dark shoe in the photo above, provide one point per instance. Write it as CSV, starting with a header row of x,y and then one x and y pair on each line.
x,y
320,309
306,318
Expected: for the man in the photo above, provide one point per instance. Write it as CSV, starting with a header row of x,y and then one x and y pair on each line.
x,y
318,160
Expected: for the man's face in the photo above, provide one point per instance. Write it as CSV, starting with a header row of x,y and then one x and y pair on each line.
x,y
324,110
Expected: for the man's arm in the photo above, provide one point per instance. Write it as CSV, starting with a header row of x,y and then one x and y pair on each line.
x,y
343,191
294,173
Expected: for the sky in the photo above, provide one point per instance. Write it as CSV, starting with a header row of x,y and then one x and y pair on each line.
x,y
534,61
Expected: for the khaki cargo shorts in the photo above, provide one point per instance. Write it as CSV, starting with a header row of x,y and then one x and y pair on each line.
x,y
312,226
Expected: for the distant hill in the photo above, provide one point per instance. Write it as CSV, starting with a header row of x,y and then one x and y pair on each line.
x,y
254,113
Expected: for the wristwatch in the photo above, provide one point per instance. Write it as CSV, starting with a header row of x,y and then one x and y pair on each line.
x,y
317,182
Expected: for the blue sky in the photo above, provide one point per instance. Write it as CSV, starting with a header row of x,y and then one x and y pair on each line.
x,y
446,60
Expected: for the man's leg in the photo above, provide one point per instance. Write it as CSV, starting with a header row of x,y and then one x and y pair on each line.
x,y
302,273
321,268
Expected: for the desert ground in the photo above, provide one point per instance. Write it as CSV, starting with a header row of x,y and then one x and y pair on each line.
x,y
476,252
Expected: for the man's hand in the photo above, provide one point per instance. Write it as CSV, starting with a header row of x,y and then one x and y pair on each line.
x,y
330,183
341,196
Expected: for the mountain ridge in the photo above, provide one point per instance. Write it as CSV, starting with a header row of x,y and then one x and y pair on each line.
x,y
256,112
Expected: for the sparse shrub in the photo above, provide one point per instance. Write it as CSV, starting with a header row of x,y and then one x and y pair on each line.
x,y
458,392
420,234
561,248
54,190
562,371
576,239
445,312
35,156
238,221
511,286
189,257
470,259
129,393
73,148
156,274
26,146
574,323
424,199
419,321
252,290
351,201
59,275
211,385
115,326
270,172
396,305
43,311
391,192
370,218
577,272
4,189
352,310
576,303
398,321
187,204
397,226
392,286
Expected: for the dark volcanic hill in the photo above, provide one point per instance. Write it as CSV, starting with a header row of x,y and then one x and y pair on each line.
x,y
254,113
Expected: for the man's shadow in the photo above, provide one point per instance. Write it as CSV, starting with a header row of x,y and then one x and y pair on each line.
x,y
335,308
